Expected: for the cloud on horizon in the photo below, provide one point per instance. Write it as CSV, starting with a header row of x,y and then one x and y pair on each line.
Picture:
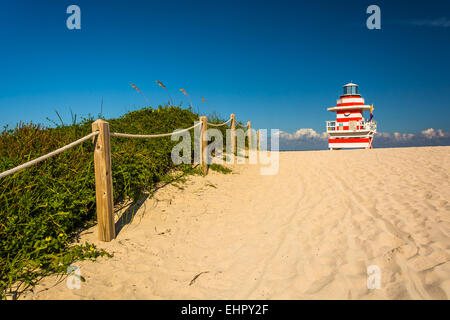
x,y
443,22
309,139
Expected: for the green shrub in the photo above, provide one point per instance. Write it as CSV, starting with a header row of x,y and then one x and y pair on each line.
x,y
44,207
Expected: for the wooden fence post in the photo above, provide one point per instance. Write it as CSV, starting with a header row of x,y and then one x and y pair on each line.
x,y
258,142
103,181
249,125
204,144
233,134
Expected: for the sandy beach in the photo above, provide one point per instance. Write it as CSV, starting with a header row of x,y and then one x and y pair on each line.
x,y
308,232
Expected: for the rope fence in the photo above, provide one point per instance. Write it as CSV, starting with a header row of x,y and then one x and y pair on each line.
x,y
241,125
49,155
103,166
219,124
127,135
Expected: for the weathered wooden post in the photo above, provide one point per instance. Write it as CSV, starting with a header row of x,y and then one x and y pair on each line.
x,y
103,181
204,145
233,134
258,142
249,128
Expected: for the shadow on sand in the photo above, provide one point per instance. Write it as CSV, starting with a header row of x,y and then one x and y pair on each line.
x,y
128,215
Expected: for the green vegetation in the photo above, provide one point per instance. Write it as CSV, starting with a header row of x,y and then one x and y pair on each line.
x,y
216,119
220,168
43,208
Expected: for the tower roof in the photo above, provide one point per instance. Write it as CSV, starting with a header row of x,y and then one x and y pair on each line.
x,y
350,84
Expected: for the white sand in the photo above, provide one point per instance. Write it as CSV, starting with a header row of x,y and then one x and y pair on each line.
x,y
309,232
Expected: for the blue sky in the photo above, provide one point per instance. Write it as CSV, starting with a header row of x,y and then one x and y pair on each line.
x,y
279,64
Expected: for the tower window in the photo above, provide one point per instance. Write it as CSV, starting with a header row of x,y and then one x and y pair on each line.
x,y
351,90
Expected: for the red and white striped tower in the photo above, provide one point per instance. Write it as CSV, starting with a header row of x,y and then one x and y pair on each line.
x,y
350,130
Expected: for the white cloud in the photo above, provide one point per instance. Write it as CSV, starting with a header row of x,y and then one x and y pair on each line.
x,y
308,139
431,133
426,137
440,22
303,134
403,136
443,22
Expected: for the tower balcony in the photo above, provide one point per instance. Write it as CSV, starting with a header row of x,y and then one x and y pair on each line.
x,y
362,127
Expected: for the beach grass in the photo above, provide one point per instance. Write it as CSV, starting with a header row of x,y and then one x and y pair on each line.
x,y
45,207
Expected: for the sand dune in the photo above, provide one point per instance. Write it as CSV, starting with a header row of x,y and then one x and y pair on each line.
x,y
309,232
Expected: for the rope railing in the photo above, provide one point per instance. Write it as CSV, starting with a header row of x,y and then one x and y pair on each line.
x,y
73,144
128,135
49,155
219,124
241,125
103,165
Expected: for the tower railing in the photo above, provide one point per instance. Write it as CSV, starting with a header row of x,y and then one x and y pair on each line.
x,y
361,125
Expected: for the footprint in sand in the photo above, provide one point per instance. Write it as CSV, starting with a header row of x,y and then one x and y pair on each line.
x,y
407,251
422,263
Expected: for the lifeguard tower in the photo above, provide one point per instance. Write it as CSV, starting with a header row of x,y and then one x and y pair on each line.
x,y
350,130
